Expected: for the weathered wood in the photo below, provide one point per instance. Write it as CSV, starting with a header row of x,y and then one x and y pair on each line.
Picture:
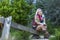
x,y
6,29
20,27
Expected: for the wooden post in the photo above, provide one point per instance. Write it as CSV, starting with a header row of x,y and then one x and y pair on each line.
x,y
6,29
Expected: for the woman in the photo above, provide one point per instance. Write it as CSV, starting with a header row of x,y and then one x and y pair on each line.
x,y
39,23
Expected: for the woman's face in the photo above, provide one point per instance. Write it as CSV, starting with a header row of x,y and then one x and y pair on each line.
x,y
40,12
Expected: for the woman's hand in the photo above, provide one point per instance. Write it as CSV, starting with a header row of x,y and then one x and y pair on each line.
x,y
38,23
44,25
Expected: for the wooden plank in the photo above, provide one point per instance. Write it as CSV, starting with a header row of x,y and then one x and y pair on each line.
x,y
6,29
20,27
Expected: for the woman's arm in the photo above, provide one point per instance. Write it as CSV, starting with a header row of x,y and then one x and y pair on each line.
x,y
37,19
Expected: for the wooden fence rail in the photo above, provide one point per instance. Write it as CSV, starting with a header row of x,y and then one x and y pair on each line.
x,y
18,26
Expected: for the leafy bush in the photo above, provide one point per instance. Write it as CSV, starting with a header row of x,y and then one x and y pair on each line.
x,y
19,10
57,35
19,34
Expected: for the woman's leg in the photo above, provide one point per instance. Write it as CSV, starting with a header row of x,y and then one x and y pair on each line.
x,y
35,36
38,28
44,29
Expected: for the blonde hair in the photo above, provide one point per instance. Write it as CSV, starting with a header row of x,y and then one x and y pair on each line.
x,y
38,10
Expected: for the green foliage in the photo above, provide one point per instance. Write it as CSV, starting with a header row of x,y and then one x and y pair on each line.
x,y
19,34
57,35
50,27
19,10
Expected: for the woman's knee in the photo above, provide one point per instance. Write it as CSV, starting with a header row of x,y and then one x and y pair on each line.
x,y
44,27
38,28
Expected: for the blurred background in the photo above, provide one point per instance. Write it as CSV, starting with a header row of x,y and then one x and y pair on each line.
x,y
23,12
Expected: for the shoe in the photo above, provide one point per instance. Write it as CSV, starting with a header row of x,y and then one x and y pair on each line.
x,y
35,37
